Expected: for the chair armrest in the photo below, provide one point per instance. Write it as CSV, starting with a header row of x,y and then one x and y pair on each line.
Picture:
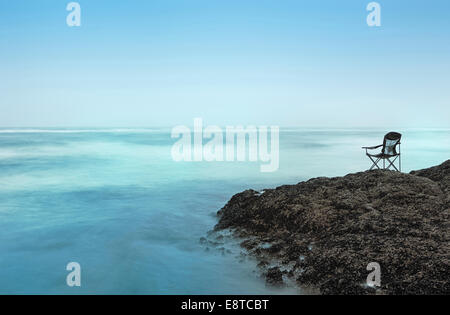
x,y
372,148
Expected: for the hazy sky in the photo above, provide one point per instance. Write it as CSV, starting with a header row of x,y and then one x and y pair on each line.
x,y
165,62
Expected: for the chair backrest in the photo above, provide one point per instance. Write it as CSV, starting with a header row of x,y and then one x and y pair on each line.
x,y
391,140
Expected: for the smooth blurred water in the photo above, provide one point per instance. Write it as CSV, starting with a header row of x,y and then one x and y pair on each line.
x,y
116,202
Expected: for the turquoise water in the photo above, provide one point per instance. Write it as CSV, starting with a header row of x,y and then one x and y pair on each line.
x,y
115,202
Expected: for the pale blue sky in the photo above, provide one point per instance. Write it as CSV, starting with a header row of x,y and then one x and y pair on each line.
x,y
162,63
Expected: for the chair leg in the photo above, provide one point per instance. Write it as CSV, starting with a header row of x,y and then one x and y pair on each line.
x,y
392,164
375,163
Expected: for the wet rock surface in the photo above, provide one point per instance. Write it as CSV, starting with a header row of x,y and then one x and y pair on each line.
x,y
323,233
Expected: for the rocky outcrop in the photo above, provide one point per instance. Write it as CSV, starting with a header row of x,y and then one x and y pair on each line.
x,y
324,232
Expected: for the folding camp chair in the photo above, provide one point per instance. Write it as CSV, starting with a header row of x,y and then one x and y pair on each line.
x,y
389,152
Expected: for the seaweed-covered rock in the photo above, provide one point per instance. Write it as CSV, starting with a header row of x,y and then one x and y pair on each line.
x,y
274,277
330,229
